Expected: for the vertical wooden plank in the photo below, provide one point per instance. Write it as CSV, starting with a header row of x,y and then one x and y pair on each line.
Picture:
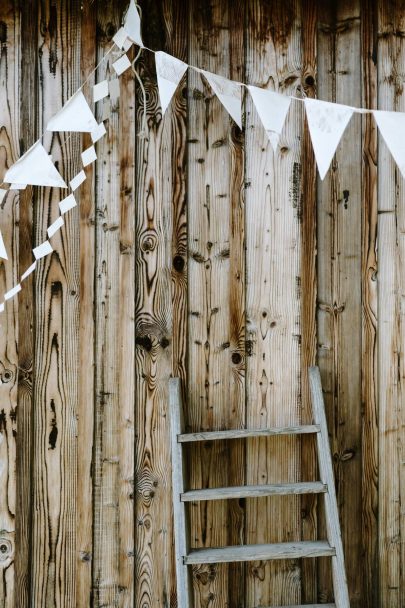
x,y
273,267
28,199
114,314
216,389
399,320
369,316
154,555
9,320
325,259
236,410
126,376
177,14
85,411
308,287
56,330
339,269
391,50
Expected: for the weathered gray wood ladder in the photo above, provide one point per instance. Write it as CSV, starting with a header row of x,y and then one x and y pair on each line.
x,y
185,556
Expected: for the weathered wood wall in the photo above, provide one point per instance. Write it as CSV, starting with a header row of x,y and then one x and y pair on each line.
x,y
197,252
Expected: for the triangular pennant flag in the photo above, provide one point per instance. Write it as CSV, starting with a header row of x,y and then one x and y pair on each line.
x,y
272,109
229,93
3,252
74,116
169,71
35,167
326,122
392,128
132,24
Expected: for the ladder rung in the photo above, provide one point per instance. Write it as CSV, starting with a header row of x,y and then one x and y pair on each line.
x,y
249,553
312,487
307,606
243,433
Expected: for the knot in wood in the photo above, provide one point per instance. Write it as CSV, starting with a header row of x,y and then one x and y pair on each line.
x,y
236,358
6,549
149,243
7,376
178,263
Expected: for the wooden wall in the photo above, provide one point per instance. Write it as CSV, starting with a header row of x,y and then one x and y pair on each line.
x,y
197,252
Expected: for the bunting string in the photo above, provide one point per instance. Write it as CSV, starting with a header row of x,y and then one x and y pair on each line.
x,y
327,122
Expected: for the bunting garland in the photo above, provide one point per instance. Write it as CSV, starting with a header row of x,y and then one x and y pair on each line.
x,y
169,72
36,168
272,109
74,116
327,122
229,93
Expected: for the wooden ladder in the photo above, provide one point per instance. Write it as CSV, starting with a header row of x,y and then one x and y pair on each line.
x,y
186,556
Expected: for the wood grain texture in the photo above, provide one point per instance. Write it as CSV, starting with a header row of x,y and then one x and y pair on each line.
x,y
236,413
67,359
28,133
273,198
390,289
339,280
215,266
9,117
114,378
308,291
85,411
53,563
154,551
126,341
369,316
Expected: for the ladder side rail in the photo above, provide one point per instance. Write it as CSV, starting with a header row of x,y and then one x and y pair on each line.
x,y
181,528
327,477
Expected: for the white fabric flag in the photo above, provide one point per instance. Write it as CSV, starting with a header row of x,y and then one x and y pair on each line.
x,y
132,24
74,116
67,204
3,252
98,133
29,271
392,128
55,227
169,71
89,156
77,180
229,93
42,250
100,90
121,65
13,292
121,39
35,167
272,109
326,122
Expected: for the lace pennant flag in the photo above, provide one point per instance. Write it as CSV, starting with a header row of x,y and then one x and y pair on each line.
x,y
272,109
392,128
169,72
327,123
229,93
74,116
132,24
35,167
